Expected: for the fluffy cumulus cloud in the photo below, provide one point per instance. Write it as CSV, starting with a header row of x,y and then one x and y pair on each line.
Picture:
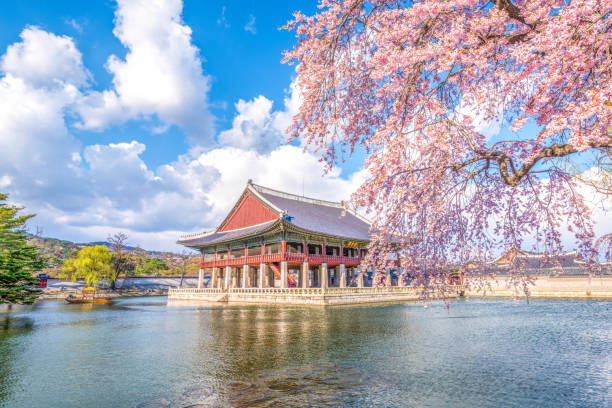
x,y
287,168
44,59
160,76
256,126
37,148
87,192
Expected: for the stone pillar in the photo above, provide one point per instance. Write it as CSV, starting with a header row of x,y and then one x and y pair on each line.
x,y
245,276
342,276
263,270
284,272
324,276
234,278
201,278
388,280
213,277
304,275
360,276
226,277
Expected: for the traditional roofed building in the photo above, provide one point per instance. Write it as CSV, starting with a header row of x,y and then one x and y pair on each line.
x,y
276,239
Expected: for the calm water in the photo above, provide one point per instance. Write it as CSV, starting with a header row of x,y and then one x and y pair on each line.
x,y
141,352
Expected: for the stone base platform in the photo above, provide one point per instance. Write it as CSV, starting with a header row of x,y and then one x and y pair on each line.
x,y
296,296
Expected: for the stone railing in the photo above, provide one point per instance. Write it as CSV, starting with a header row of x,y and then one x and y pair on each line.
x,y
296,291
196,290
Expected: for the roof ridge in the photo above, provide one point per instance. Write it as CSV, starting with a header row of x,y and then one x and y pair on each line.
x,y
204,234
283,194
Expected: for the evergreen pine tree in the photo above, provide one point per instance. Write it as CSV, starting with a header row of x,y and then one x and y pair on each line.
x,y
18,259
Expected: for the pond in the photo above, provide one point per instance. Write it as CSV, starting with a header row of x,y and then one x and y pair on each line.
x,y
142,352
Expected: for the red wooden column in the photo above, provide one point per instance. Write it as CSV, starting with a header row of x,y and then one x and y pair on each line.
x,y
284,250
202,260
305,246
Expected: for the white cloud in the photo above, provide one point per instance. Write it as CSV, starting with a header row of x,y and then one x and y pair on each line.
x,y
78,27
222,21
256,126
192,194
5,181
484,122
250,25
44,59
38,153
160,76
302,172
253,126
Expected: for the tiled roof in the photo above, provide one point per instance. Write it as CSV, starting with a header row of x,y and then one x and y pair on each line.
x,y
213,236
323,217
316,215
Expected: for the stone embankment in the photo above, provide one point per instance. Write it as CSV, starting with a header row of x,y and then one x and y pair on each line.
x,y
145,286
583,287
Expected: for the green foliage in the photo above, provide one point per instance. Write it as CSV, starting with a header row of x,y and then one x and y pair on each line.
x,y
18,259
152,266
91,263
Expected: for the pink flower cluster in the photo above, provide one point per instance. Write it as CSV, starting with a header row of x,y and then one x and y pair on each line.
x,y
407,81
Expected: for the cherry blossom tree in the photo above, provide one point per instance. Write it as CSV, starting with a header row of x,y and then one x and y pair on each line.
x,y
413,83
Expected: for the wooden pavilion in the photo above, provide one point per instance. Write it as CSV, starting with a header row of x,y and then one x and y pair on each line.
x,y
275,239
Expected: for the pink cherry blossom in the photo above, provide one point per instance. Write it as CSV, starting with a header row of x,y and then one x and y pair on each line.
x,y
410,82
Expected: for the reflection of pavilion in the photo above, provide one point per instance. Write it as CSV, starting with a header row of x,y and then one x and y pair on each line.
x,y
275,245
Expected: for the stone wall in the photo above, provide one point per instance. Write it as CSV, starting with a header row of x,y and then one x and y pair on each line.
x,y
555,287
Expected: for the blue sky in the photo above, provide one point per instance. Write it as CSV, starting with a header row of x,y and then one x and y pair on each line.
x,y
242,64
149,116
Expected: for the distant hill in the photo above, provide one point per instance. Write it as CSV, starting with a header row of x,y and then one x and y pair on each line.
x,y
57,250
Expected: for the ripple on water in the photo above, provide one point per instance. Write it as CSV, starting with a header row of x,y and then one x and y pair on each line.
x,y
318,385
156,403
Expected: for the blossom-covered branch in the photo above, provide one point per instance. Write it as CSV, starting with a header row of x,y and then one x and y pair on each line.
x,y
413,83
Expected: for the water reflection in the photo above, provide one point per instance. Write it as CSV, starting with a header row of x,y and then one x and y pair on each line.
x,y
324,384
141,352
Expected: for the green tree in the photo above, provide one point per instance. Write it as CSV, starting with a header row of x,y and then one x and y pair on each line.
x,y
18,259
90,263
152,266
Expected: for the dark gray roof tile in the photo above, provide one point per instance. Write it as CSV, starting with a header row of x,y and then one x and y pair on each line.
x,y
212,237
318,216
